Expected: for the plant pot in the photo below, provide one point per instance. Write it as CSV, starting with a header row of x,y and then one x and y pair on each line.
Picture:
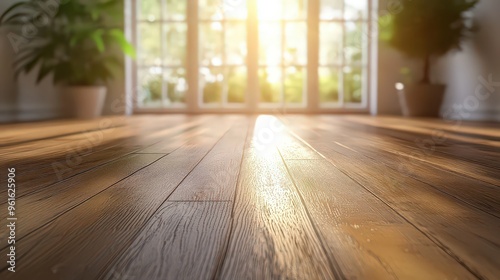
x,y
421,100
87,102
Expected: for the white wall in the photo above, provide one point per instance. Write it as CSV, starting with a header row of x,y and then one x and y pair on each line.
x,y
480,58
8,101
460,70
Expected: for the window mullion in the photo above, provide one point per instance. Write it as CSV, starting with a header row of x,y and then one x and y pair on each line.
x,y
192,59
253,92
283,66
342,59
312,94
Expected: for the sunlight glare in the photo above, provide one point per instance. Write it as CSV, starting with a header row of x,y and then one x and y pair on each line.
x,y
268,134
269,9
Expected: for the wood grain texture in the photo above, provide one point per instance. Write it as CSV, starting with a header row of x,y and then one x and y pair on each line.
x,y
313,197
468,235
384,149
216,176
48,203
69,244
272,237
181,241
368,239
44,164
426,149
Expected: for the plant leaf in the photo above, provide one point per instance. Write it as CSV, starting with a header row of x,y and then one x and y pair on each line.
x,y
122,42
11,8
98,40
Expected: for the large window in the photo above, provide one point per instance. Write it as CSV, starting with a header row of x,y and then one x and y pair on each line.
x,y
343,52
161,45
282,52
251,55
223,52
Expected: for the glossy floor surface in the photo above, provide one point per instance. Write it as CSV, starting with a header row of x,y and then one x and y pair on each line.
x,y
253,197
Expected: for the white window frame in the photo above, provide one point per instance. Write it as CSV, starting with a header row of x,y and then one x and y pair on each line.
x,y
251,105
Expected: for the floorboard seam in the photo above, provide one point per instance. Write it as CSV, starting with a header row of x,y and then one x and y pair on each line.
x,y
134,237
198,201
133,151
229,237
58,136
334,266
434,240
437,166
77,205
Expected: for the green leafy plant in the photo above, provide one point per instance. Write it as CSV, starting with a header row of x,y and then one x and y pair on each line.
x,y
77,43
428,28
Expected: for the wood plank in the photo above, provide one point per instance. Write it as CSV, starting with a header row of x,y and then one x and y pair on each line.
x,y
483,196
47,168
12,134
368,239
216,176
86,239
183,240
272,236
479,194
439,140
478,168
49,203
170,144
469,235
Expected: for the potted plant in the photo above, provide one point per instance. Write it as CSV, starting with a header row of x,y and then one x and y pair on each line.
x,y
426,29
74,42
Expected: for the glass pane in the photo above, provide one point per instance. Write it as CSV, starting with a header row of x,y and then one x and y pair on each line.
x,y
211,84
234,9
270,79
353,50
330,43
175,44
175,84
331,9
150,83
294,84
269,9
328,85
294,9
210,9
353,85
355,9
149,48
175,9
296,44
236,43
149,9
211,44
236,84
270,44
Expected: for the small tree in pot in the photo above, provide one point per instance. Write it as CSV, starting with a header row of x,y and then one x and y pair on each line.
x,y
426,29
74,42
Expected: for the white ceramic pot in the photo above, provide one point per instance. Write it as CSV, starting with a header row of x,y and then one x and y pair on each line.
x,y
87,102
421,100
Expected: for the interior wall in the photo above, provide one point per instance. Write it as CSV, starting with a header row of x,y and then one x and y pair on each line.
x,y
24,100
460,70
473,74
8,90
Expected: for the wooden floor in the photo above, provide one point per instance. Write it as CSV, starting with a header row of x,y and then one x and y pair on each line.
x,y
253,197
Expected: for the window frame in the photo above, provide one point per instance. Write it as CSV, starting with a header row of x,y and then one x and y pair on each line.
x,y
311,99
